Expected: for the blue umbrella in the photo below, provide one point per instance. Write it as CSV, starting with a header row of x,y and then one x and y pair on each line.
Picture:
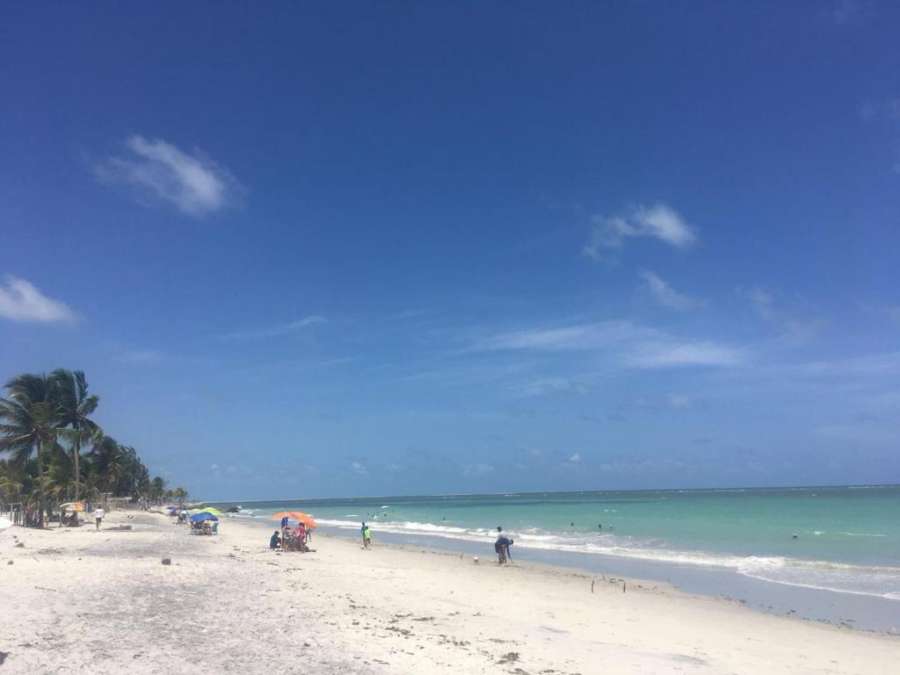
x,y
200,517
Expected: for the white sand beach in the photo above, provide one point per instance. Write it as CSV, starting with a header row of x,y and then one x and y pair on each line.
x,y
78,601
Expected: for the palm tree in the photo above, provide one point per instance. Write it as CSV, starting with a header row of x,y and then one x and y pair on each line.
x,y
29,420
108,462
12,482
180,494
157,488
75,410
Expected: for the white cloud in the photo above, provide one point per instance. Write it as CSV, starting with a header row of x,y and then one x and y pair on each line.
x,y
628,344
20,300
274,331
667,296
359,468
580,336
550,385
575,458
641,466
761,301
860,366
658,222
679,401
673,354
848,11
885,110
191,182
794,329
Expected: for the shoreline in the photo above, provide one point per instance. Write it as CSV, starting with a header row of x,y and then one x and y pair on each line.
x,y
818,606
863,612
103,602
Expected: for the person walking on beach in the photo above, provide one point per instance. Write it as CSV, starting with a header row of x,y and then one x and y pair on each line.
x,y
362,533
501,547
99,514
367,536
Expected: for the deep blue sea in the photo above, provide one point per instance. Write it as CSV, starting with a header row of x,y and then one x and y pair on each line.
x,y
840,539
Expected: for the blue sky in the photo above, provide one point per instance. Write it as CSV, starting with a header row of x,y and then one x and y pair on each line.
x,y
386,248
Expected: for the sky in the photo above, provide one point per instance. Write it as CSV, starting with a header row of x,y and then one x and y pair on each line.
x,y
409,248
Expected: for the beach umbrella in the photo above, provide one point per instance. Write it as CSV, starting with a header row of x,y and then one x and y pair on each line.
x,y
212,510
200,517
299,516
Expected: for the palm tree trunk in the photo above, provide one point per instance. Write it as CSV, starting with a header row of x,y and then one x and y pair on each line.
x,y
77,450
40,459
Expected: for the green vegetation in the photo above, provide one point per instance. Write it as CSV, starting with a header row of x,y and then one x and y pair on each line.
x,y
45,425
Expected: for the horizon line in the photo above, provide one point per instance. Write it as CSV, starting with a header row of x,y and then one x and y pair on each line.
x,y
542,492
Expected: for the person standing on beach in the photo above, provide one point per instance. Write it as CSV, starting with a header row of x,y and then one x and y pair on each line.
x,y
367,537
501,547
362,533
99,514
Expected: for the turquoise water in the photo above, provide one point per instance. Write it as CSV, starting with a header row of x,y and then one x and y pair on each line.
x,y
842,539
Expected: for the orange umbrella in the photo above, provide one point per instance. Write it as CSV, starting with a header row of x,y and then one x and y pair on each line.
x,y
299,516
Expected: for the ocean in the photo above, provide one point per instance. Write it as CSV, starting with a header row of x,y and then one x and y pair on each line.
x,y
843,541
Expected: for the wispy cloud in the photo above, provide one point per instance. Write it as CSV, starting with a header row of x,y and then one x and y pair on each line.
x,y
639,466
885,364
477,470
848,11
672,354
550,385
761,301
588,336
679,401
193,183
887,110
884,115
574,458
629,345
667,296
275,331
359,468
795,328
20,300
657,222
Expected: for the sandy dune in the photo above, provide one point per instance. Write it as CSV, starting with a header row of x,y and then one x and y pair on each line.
x,y
75,601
